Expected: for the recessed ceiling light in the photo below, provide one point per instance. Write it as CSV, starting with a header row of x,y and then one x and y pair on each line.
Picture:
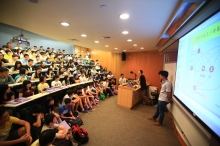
x,y
97,42
83,35
125,32
106,45
82,51
142,48
124,50
65,24
116,48
129,40
135,45
124,16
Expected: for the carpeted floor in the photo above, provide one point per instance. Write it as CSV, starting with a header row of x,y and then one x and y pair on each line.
x,y
111,125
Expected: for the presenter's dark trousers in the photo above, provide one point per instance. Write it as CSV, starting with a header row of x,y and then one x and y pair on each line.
x,y
161,109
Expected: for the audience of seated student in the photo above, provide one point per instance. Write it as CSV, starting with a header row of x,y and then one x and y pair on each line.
x,y
34,48
9,135
82,77
7,94
17,66
77,71
43,65
26,91
50,73
2,64
29,65
37,61
61,71
14,59
56,83
37,74
97,67
25,60
110,75
8,55
61,132
3,59
84,98
67,72
5,78
18,52
86,92
97,77
22,75
48,107
122,79
54,66
42,86
65,111
90,78
66,80
34,117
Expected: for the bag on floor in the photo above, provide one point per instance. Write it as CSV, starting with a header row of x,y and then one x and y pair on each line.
x,y
78,121
80,134
102,96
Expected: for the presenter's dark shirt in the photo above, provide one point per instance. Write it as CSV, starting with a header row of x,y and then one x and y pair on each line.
x,y
143,82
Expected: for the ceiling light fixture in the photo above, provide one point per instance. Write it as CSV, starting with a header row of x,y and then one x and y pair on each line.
x,y
135,45
116,48
125,32
97,42
124,16
84,35
129,40
124,50
106,46
142,48
65,24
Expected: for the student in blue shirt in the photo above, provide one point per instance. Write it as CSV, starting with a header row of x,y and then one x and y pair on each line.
x,y
22,75
65,110
25,60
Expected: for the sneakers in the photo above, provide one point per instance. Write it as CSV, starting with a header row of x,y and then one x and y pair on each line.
x,y
96,100
151,119
157,124
84,111
89,109
78,112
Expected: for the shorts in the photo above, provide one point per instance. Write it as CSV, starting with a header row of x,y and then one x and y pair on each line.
x,y
13,134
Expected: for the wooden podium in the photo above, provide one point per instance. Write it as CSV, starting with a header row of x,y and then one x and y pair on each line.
x,y
128,97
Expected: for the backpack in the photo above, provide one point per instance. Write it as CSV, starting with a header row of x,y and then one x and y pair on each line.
x,y
80,134
77,122
102,96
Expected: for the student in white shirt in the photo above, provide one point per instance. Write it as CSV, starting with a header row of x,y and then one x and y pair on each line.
x,y
122,79
97,67
110,75
83,77
18,47
56,83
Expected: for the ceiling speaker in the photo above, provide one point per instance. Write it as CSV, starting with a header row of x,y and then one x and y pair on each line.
x,y
33,1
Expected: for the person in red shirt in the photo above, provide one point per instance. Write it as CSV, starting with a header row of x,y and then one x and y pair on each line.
x,y
26,91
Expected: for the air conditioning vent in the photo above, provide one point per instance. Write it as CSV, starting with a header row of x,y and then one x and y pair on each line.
x,y
106,37
33,1
74,40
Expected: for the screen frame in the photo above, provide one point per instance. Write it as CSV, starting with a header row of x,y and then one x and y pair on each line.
x,y
186,107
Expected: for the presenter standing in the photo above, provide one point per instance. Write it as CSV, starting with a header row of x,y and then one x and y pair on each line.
x,y
164,99
143,88
122,79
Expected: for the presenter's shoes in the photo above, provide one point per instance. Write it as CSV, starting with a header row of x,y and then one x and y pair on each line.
x,y
157,124
151,119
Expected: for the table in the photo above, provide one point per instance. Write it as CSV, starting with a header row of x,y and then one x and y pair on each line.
x,y
128,97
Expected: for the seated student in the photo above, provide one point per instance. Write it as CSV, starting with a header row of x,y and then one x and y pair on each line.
x,y
92,91
65,110
67,72
7,94
51,123
26,91
54,66
37,61
37,74
83,77
77,71
87,92
48,107
84,98
29,65
97,77
110,75
34,117
75,79
50,73
61,71
48,61
22,76
122,79
5,78
2,64
113,87
43,65
66,80
42,86
25,60
14,59
46,137
10,136
90,78
3,59
106,89
8,55
56,83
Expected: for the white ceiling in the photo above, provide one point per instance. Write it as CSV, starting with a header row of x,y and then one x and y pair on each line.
x,y
148,19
